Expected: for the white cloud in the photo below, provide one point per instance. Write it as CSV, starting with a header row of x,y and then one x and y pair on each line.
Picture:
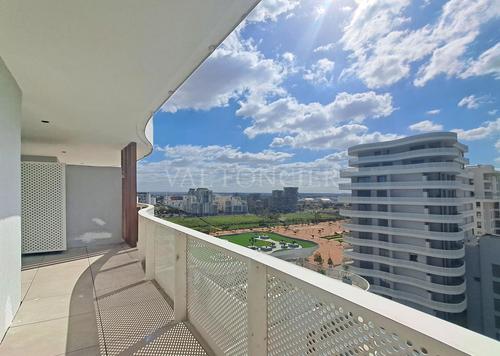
x,y
426,126
487,129
325,48
320,72
383,49
228,169
472,101
288,56
287,115
236,68
433,112
338,138
487,63
492,112
270,10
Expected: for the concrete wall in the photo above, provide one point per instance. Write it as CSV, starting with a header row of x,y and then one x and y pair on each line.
x,y
10,198
93,205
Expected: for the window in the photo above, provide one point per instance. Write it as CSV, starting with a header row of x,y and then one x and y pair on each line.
x,y
496,287
381,179
479,224
478,204
497,322
497,304
495,270
413,257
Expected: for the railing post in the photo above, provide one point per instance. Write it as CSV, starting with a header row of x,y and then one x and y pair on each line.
x,y
257,309
149,237
180,268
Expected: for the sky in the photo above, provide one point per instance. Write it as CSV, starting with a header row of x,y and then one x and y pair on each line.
x,y
299,81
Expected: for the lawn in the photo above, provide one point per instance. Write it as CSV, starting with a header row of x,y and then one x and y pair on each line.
x,y
244,239
209,224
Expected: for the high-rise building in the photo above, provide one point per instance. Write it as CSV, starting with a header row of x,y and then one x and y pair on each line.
x,y
483,285
487,199
411,210
277,200
200,201
231,204
291,198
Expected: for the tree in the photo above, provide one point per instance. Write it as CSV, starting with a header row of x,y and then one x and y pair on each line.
x,y
318,258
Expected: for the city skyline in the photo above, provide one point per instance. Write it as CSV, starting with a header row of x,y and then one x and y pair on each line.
x,y
282,98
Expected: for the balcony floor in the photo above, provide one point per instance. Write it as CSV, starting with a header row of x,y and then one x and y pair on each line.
x,y
94,302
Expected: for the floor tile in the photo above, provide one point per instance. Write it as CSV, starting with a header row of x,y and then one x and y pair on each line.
x,y
43,309
53,337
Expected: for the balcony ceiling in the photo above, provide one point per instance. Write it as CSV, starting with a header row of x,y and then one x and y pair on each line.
x,y
97,70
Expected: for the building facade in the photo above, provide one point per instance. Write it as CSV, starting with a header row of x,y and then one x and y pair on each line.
x,y
487,199
284,201
200,201
483,285
231,204
410,213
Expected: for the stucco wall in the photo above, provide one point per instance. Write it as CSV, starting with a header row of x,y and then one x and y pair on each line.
x,y
10,198
93,205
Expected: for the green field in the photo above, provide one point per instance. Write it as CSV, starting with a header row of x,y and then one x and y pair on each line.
x,y
244,239
209,224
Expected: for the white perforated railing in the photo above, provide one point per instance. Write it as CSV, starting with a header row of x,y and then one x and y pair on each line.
x,y
243,302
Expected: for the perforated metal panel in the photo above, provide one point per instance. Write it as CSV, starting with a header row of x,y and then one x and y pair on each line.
x,y
299,323
217,297
43,207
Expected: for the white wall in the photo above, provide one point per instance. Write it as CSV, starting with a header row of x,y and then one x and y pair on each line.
x,y
93,205
10,198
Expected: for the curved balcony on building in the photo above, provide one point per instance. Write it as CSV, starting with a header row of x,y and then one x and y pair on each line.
x,y
415,282
452,167
424,234
417,266
426,152
432,304
426,251
406,200
425,217
422,184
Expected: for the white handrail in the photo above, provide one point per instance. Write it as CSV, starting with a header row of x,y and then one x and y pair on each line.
x,y
243,301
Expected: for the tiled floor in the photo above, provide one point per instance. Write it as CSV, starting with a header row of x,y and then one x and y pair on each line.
x,y
94,302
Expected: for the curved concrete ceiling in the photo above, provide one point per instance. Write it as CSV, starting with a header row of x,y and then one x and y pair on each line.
x,y
98,69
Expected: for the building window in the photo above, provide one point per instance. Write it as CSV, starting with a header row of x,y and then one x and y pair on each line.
x,y
478,204
495,270
497,322
381,179
479,224
496,288
497,304
413,257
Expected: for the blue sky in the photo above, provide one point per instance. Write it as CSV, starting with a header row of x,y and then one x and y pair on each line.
x,y
298,82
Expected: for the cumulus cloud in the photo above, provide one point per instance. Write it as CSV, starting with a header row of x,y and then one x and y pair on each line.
x,y
333,138
487,129
383,48
228,169
472,101
287,115
320,72
426,126
270,10
234,69
487,63
433,112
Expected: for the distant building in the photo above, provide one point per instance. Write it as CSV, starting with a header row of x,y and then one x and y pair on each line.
x,y
284,201
230,204
200,201
410,213
257,203
482,256
486,182
145,198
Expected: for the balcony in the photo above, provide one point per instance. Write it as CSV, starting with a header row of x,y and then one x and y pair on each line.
x,y
428,152
424,234
426,251
427,217
245,302
421,184
417,266
427,285
404,169
406,200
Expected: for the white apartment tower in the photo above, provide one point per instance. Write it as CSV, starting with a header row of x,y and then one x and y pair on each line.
x,y
487,199
410,212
